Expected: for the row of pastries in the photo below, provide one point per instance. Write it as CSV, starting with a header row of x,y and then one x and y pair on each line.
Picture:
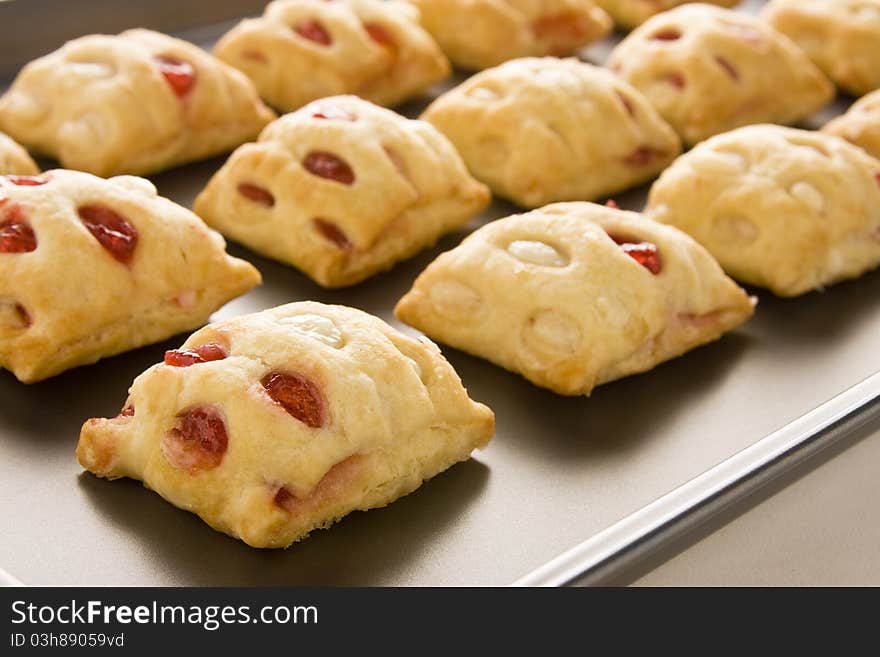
x,y
570,294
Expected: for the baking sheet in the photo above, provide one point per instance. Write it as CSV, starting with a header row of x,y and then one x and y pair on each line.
x,y
558,471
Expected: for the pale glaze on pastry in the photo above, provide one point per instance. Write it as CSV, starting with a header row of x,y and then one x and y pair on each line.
x,y
134,103
709,70
276,423
91,267
538,130
342,189
841,36
302,50
574,295
789,210
478,34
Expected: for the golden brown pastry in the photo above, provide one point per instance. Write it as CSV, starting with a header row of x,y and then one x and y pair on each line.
x,y
861,124
632,13
91,267
342,189
302,50
709,70
574,295
14,159
134,103
478,34
789,210
841,36
538,130
273,424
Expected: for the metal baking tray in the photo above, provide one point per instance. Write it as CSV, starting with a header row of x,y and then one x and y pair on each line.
x,y
598,480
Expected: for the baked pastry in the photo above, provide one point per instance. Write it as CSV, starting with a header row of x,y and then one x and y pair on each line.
x,y
709,70
302,50
789,210
861,124
632,13
273,424
574,295
342,189
90,268
478,34
841,36
134,103
14,159
538,130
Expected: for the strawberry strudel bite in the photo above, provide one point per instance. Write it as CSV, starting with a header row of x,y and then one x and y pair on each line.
x,y
15,160
478,34
708,70
274,424
745,193
538,130
302,50
574,295
135,103
342,189
92,267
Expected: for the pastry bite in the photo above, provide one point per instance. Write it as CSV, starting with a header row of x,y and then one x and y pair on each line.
x,y
629,14
708,70
789,210
574,295
841,36
135,103
861,124
274,424
478,34
91,267
15,160
342,189
302,50
539,130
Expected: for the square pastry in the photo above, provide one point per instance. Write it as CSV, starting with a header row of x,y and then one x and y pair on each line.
x,y
274,424
632,13
302,50
575,295
478,34
841,36
342,189
861,124
134,103
538,130
789,210
14,160
708,70
91,267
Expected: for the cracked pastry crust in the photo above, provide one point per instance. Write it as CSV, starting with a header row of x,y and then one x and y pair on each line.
x,y
478,34
538,130
789,210
632,13
574,295
14,159
274,424
709,70
302,50
135,103
861,124
841,36
342,189
90,268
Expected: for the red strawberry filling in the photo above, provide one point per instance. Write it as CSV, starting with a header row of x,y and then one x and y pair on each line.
x,y
297,395
180,75
16,235
324,109
312,30
645,253
256,194
26,181
334,233
198,441
327,165
201,354
113,232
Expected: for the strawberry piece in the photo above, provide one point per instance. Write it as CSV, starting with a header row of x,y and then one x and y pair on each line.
x,y
327,165
314,31
334,233
668,34
297,395
324,109
180,74
26,181
645,253
16,235
728,67
198,441
381,35
113,232
257,194
201,354
642,156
